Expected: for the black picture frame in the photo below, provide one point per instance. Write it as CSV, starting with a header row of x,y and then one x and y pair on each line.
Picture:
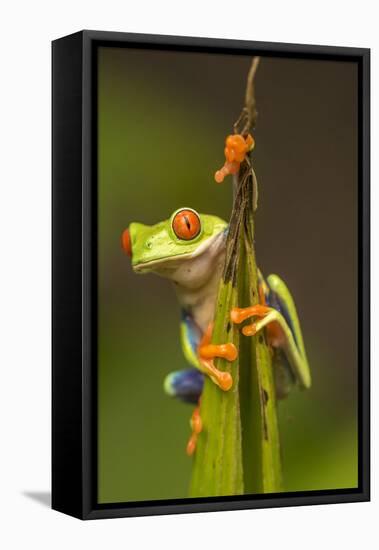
x,y
74,272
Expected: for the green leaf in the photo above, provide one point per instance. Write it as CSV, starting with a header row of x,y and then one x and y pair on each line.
x,y
238,450
218,459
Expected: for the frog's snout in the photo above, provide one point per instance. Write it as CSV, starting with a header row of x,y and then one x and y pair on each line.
x,y
126,242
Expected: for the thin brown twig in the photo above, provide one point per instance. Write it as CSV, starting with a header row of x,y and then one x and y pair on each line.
x,y
250,102
249,112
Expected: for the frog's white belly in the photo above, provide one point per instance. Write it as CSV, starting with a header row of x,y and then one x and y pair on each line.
x,y
196,279
200,302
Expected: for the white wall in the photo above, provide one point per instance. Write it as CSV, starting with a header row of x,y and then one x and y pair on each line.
x,y
26,31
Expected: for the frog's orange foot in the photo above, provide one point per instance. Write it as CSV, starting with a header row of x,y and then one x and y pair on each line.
x,y
226,351
240,314
236,148
197,426
207,352
268,320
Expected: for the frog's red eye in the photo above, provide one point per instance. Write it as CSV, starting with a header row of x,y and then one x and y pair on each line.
x,y
186,225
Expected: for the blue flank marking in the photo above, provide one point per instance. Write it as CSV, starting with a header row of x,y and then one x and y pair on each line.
x,y
274,301
193,331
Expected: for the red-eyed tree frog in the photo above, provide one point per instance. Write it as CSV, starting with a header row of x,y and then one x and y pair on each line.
x,y
189,250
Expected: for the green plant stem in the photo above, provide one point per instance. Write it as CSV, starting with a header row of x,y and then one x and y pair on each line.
x,y
238,450
217,466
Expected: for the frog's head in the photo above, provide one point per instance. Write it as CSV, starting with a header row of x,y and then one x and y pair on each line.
x,y
184,248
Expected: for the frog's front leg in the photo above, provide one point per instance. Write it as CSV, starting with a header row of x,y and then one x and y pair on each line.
x,y
278,315
188,384
199,351
207,352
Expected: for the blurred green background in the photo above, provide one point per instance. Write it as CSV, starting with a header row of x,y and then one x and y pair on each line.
x,y
163,118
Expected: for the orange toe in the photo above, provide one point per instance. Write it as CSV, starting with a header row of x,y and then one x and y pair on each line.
x,y
225,381
191,445
249,330
227,351
240,314
196,422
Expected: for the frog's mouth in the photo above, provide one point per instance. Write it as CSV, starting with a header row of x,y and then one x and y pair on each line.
x,y
213,244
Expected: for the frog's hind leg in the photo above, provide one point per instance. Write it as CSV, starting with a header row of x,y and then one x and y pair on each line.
x,y
278,314
196,427
282,300
185,385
